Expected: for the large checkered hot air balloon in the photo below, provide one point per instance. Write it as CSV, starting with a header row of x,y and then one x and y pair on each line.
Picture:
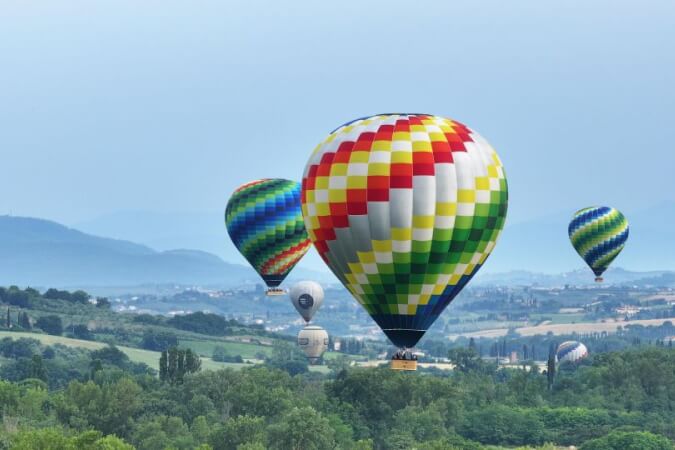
x,y
264,221
404,209
598,234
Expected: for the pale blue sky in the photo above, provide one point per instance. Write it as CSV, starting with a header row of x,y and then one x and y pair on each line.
x,y
167,106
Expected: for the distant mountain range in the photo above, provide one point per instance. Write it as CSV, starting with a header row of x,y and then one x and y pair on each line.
x,y
204,231
42,253
581,277
539,245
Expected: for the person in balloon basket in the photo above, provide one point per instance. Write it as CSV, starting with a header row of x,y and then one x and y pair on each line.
x,y
405,355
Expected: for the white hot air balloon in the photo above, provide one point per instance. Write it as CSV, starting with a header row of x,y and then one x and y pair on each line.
x,y
313,340
307,297
571,351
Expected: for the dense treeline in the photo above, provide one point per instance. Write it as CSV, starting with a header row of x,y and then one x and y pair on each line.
x,y
204,323
101,400
61,397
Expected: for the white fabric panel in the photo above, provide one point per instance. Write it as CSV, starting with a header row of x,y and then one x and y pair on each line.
x,y
401,210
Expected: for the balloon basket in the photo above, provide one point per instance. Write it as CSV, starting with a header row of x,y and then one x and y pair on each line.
x,y
402,364
599,279
273,292
404,360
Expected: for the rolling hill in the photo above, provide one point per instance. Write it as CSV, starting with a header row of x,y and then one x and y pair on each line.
x,y
43,253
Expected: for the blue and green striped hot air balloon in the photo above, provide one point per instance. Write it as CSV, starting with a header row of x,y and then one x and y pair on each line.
x,y
264,221
598,234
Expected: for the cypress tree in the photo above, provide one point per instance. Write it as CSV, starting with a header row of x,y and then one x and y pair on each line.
x,y
172,364
550,371
37,368
180,369
163,368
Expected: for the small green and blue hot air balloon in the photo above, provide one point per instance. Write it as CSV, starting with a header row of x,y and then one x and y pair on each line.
x,y
264,221
598,234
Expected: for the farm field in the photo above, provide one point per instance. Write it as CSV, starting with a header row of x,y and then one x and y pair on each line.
x,y
563,328
135,354
152,358
205,347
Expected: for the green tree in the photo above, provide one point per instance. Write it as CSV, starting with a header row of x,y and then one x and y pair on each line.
x,y
200,430
50,324
24,321
80,331
37,368
95,366
301,429
158,340
617,440
111,355
109,408
251,446
237,431
79,297
163,366
111,443
288,357
503,425
55,439
55,294
175,363
399,440
193,363
466,360
102,302
172,364
41,439
9,396
550,371
161,432
423,424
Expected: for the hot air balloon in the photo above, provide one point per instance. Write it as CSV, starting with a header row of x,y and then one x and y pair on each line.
x,y
313,340
598,234
404,209
307,297
264,221
571,351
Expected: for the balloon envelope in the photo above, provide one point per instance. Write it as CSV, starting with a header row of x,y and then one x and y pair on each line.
x,y
264,221
572,351
404,209
307,297
598,234
313,341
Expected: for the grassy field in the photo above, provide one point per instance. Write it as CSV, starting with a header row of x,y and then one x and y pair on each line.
x,y
205,347
152,358
135,354
564,328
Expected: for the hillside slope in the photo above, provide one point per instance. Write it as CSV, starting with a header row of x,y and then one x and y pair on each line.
x,y
44,253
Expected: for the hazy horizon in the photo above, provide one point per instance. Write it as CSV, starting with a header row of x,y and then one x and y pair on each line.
x,y
166,107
